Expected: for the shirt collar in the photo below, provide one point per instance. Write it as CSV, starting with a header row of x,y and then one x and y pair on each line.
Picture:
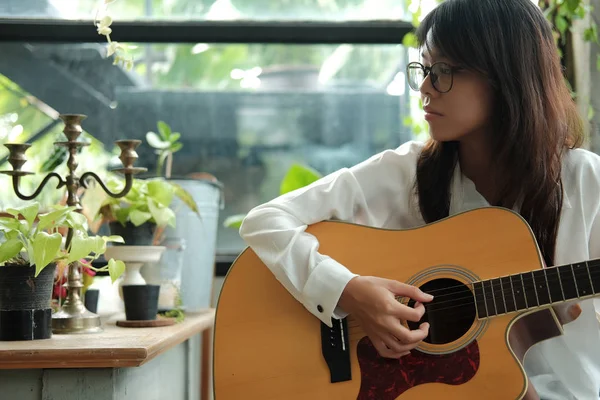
x,y
465,197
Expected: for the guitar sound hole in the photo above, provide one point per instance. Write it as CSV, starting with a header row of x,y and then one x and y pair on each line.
x,y
451,313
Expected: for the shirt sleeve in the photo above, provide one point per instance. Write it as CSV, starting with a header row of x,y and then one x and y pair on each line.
x,y
368,193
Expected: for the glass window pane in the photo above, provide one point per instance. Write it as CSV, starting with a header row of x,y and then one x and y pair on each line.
x,y
246,113
121,10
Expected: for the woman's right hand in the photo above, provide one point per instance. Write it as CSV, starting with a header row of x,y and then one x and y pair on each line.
x,y
372,301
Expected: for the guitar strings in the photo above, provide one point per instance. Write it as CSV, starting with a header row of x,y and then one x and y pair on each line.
x,y
489,297
526,276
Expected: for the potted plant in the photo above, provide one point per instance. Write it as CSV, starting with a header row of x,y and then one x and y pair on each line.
x,y
146,211
31,249
185,270
143,217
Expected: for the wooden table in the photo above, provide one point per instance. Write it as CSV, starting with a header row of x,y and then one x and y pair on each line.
x,y
113,349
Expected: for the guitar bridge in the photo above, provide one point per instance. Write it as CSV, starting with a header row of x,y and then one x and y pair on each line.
x,y
335,347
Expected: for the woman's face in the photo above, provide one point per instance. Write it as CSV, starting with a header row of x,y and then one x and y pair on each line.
x,y
463,111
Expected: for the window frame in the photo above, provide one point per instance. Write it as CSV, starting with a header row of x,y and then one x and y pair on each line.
x,y
240,31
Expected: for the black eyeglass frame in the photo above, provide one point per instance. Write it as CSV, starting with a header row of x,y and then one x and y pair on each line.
x,y
428,70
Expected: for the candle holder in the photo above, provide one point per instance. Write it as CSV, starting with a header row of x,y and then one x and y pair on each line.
x,y
73,317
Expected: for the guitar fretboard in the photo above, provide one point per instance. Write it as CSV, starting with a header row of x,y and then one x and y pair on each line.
x,y
537,288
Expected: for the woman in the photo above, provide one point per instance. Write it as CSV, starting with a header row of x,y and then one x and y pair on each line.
x,y
504,132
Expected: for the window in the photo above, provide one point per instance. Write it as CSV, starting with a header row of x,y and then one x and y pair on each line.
x,y
246,111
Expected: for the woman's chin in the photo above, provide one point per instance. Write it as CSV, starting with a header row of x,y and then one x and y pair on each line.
x,y
441,135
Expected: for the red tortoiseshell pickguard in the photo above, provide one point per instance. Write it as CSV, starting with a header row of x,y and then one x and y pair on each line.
x,y
386,379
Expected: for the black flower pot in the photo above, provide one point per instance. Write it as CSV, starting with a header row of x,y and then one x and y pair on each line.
x,y
133,235
141,302
25,311
91,300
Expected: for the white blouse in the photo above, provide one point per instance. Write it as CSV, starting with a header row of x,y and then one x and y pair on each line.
x,y
379,192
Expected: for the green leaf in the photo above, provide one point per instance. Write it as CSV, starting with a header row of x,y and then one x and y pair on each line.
x,y
93,199
174,137
156,142
54,160
234,221
45,249
77,221
561,24
160,191
122,214
53,219
410,40
114,238
81,247
9,224
598,62
186,197
572,5
11,235
175,147
164,130
98,245
28,212
24,227
10,249
115,269
163,216
298,176
590,34
138,217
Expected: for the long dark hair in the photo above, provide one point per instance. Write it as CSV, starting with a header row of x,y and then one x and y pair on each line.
x,y
535,119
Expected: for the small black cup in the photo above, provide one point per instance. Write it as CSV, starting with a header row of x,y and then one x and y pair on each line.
x,y
141,302
90,300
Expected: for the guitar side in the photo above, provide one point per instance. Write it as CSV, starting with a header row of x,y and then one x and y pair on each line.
x,y
268,346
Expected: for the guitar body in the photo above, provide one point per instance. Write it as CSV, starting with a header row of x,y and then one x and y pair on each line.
x,y
267,346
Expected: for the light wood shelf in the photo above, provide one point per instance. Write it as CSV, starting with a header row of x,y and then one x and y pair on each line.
x,y
113,348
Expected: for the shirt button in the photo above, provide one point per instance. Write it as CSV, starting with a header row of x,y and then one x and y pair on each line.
x,y
320,308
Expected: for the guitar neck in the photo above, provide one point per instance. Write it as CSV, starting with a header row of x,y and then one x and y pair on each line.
x,y
536,289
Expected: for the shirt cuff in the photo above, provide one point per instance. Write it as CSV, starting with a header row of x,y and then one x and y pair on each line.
x,y
324,288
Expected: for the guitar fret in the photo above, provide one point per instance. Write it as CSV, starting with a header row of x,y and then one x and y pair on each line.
x,y
537,297
518,292
541,287
575,281
547,285
587,267
530,290
498,296
536,288
489,298
582,279
509,298
503,295
524,291
480,300
554,285
594,268
568,282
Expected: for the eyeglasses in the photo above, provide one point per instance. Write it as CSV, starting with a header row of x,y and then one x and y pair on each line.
x,y
442,75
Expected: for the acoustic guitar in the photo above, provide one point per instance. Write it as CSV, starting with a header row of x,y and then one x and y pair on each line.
x,y
493,300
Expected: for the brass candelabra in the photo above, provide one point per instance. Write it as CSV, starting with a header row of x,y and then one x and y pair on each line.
x,y
73,317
